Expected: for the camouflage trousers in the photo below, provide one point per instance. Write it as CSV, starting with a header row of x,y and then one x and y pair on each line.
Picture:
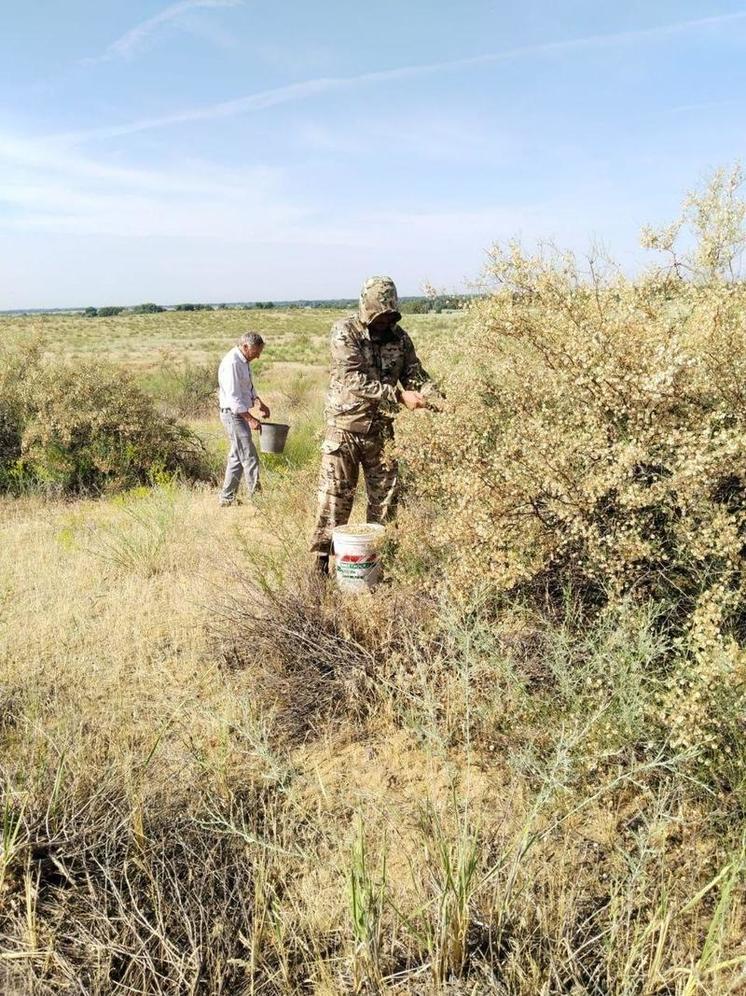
x,y
343,454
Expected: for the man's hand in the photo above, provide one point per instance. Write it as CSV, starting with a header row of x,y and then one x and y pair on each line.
x,y
253,423
263,409
412,400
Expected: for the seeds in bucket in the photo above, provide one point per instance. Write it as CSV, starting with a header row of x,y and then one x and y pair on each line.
x,y
366,529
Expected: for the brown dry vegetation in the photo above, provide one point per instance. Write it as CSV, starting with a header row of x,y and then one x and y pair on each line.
x,y
220,777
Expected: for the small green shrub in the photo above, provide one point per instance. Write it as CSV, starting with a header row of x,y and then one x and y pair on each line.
x,y
85,428
17,365
297,390
147,309
185,388
93,429
136,540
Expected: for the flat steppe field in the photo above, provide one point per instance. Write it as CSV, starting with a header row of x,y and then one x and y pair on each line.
x,y
219,776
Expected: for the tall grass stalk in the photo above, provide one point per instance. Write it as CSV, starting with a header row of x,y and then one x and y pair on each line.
x,y
368,897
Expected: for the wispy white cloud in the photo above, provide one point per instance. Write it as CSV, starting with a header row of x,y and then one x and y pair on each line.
x,y
44,187
73,225
311,88
133,40
47,188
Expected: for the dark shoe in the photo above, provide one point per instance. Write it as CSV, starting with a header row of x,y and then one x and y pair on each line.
x,y
321,567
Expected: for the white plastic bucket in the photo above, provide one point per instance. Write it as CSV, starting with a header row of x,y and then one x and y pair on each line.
x,y
357,555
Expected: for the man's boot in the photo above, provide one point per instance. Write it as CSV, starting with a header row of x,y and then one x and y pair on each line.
x,y
321,567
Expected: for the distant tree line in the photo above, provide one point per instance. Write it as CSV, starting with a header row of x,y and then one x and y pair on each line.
x,y
109,311
407,306
149,308
102,312
337,304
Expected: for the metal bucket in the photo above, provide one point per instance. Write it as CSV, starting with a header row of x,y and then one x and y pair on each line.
x,y
273,436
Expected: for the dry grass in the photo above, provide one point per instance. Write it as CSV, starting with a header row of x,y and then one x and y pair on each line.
x,y
219,778
168,830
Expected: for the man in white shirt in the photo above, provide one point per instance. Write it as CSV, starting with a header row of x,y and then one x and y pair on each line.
x,y
237,398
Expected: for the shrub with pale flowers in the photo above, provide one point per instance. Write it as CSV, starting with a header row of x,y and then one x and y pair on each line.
x,y
596,439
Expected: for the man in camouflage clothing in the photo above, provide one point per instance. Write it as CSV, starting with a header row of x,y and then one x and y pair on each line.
x,y
374,370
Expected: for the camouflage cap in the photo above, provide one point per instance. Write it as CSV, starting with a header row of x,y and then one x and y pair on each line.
x,y
378,297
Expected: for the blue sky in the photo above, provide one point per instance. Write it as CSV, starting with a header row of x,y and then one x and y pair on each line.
x,y
217,150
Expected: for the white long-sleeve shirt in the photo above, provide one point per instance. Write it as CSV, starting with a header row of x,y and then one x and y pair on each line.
x,y
234,379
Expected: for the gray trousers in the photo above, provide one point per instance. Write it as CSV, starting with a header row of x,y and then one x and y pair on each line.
x,y
242,459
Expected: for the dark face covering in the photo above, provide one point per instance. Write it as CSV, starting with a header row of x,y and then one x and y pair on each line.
x,y
382,328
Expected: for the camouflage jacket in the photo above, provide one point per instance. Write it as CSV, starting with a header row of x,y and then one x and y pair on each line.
x,y
366,371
